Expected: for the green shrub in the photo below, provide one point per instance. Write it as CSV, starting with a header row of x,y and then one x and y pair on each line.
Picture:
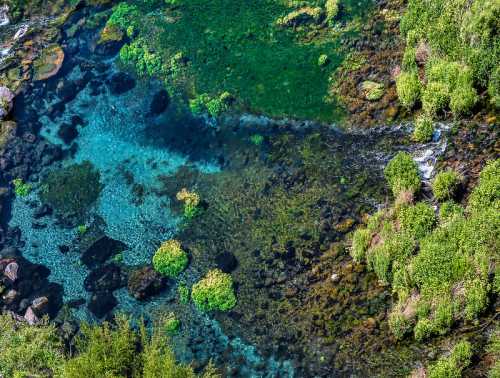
x,y
408,88
21,188
183,291
493,349
360,243
402,174
170,259
215,106
214,292
379,259
409,61
494,87
449,209
452,366
145,62
171,324
445,185
476,298
435,97
418,219
423,329
25,350
463,99
424,129
332,9
323,60
487,193
124,16
399,325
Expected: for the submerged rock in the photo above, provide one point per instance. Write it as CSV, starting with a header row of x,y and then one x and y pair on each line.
x,y
120,83
145,282
160,102
102,303
104,278
68,133
49,63
101,250
226,261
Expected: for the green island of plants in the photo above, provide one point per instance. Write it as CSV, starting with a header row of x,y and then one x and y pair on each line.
x,y
170,259
442,269
214,292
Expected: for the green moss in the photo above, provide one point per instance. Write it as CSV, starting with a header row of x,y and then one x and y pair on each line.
x,y
171,324
72,190
183,292
214,292
493,348
435,97
409,63
424,129
21,188
445,185
373,91
170,259
399,325
450,209
408,87
323,60
360,243
452,366
257,139
487,193
214,106
402,174
423,329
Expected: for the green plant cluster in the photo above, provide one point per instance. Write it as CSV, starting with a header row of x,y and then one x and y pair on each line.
x,y
453,365
493,348
145,62
170,259
457,43
402,174
172,324
214,106
125,16
183,292
445,185
214,292
21,188
441,270
424,129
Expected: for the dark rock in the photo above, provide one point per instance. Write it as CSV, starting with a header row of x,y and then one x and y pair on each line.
x,y
63,249
101,250
66,90
31,317
75,303
120,83
67,133
145,282
42,211
104,278
11,271
76,120
101,303
160,102
226,261
40,306
38,225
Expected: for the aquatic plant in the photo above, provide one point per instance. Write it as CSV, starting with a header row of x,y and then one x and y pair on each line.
x,y
323,60
21,189
445,185
424,129
402,173
29,350
256,139
408,87
82,229
452,366
191,202
183,292
214,292
170,259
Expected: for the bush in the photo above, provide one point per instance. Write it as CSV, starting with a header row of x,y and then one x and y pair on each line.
x,y
170,259
28,350
21,188
399,325
360,243
450,209
408,88
435,97
445,185
214,292
424,129
463,99
402,174
452,366
418,219
191,202
423,329
487,193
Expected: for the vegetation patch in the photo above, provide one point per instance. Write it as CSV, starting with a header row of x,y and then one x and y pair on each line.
x,y
214,292
170,259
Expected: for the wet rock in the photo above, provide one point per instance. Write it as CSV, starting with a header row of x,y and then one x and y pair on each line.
x,y
31,317
49,63
111,40
11,271
40,306
120,83
11,296
42,211
145,282
66,90
104,278
6,98
102,303
226,261
160,102
101,250
68,133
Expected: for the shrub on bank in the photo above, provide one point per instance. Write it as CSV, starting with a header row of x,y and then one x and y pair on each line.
x,y
402,174
214,292
408,88
445,185
424,129
170,259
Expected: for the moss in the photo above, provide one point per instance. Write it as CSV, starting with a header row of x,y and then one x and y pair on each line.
x,y
214,106
72,190
463,99
183,292
360,243
21,188
402,174
476,298
170,259
171,324
214,292
445,185
409,63
323,60
450,209
487,193
435,97
191,202
424,129
408,88
399,325
372,90
452,366
332,9
423,329
256,139
493,348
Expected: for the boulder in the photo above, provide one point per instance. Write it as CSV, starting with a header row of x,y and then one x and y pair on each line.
x,y
226,261
144,282
101,303
101,250
31,317
104,278
160,102
120,83
48,63
67,132
6,98
11,271
40,306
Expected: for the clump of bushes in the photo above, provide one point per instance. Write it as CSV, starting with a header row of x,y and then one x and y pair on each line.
x,y
408,88
452,366
215,106
145,61
191,202
424,129
170,259
214,292
21,188
402,174
445,185
125,17
440,269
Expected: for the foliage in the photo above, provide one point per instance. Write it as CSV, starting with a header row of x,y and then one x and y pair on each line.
x,y
184,292
213,105
494,349
145,61
464,48
424,129
449,209
408,87
323,60
214,292
332,9
452,366
417,219
124,16
191,202
28,350
445,184
402,173
82,229
487,193
171,324
257,139
360,243
170,259
21,188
